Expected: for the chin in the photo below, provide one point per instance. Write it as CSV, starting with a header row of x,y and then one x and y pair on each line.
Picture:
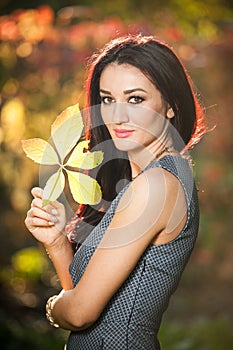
x,y
125,145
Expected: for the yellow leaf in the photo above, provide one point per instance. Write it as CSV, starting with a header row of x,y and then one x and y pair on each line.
x,y
77,152
54,187
40,151
81,147
66,130
87,160
84,160
84,189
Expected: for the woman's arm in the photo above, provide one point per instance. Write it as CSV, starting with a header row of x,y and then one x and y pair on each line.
x,y
61,255
47,224
142,214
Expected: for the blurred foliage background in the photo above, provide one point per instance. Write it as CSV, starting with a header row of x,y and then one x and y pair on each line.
x,y
44,48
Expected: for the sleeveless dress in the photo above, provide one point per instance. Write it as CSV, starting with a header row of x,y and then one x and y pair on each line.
x,y
132,318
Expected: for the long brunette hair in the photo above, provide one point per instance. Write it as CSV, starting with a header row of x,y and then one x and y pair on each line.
x,y
158,62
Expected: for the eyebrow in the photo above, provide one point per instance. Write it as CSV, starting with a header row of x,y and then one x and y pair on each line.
x,y
126,92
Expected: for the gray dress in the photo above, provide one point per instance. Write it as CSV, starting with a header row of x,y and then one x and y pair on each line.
x,y
132,317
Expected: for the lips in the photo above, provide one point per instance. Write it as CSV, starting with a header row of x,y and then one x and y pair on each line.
x,y
123,133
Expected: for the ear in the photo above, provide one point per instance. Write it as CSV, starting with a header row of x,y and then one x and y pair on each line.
x,y
170,113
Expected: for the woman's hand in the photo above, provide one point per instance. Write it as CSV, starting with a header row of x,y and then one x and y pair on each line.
x,y
45,223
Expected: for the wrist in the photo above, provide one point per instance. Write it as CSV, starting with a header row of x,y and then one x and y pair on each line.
x,y
61,250
59,243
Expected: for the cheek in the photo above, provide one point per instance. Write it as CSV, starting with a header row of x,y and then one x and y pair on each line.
x,y
148,114
143,117
103,114
151,123
107,114
106,120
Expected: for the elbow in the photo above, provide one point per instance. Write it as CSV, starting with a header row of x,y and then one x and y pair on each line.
x,y
81,325
82,321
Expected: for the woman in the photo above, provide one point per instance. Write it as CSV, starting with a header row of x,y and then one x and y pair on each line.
x,y
133,247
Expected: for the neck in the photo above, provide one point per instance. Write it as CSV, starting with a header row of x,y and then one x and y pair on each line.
x,y
140,159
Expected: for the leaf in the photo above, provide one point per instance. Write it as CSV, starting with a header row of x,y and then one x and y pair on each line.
x,y
40,151
84,189
66,130
87,161
54,187
84,160
81,147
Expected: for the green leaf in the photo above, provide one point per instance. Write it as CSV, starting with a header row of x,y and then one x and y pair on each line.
x,y
84,160
54,187
84,189
40,151
66,130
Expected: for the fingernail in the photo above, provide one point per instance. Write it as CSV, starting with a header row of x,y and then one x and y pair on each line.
x,y
51,223
53,219
54,211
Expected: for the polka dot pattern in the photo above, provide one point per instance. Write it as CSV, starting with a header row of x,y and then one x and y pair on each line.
x,y
132,318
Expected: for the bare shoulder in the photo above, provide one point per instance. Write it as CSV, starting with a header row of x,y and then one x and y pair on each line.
x,y
174,213
139,211
160,176
160,180
144,186
156,185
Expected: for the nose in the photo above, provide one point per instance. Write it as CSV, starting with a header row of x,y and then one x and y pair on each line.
x,y
120,113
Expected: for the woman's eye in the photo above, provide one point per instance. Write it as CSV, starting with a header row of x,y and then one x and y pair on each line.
x,y
106,100
136,99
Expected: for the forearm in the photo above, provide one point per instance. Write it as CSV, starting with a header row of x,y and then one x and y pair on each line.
x,y
61,255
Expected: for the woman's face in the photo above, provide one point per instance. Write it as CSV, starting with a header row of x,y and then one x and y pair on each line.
x,y
132,107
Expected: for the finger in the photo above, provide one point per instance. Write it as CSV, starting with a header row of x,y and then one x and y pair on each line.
x,y
39,213
54,207
37,192
42,214
49,208
37,202
35,222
